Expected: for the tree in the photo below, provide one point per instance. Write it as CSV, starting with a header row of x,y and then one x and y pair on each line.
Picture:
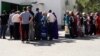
x,y
88,5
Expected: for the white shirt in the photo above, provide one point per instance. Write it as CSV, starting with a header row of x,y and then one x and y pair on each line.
x,y
10,19
16,18
51,17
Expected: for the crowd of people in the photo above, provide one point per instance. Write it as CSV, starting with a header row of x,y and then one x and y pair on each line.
x,y
27,25
82,24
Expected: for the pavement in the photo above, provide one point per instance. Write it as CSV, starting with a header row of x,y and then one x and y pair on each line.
x,y
86,46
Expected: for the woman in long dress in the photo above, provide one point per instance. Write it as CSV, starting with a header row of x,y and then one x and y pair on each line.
x,y
66,23
98,24
72,25
55,27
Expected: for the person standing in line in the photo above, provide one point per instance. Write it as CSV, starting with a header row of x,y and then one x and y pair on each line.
x,y
29,8
31,25
88,24
24,17
11,24
37,19
43,27
80,25
74,25
95,19
84,22
4,20
55,27
71,25
92,24
66,22
51,19
16,21
98,24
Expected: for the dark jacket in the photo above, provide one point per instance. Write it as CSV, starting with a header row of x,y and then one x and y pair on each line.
x,y
4,19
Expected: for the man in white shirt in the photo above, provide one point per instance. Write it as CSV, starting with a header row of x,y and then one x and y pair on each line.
x,y
11,24
16,21
51,19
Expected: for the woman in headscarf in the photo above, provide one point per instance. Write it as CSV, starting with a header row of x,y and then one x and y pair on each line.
x,y
98,24
66,23
80,24
55,27
88,23
72,27
92,24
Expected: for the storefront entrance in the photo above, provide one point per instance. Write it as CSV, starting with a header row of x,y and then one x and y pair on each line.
x,y
10,6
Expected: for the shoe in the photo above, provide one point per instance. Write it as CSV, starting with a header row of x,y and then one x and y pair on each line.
x,y
27,42
23,42
37,39
0,37
4,38
51,38
10,37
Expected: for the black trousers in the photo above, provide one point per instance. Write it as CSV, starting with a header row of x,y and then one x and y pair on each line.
x,y
92,29
3,31
25,32
50,31
11,29
86,30
37,32
16,31
71,32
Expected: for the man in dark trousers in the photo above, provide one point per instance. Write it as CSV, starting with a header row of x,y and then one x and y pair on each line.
x,y
31,25
4,21
38,17
16,21
11,24
25,16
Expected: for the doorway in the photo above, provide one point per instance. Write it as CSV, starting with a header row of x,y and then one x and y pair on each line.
x,y
10,6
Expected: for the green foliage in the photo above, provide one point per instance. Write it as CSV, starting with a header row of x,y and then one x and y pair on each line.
x,y
88,5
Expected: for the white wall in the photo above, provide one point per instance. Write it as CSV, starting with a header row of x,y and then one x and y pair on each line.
x,y
58,6
54,5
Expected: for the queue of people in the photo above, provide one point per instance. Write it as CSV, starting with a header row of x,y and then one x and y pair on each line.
x,y
22,24
28,26
81,24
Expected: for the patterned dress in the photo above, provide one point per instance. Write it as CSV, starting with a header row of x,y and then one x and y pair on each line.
x,y
98,25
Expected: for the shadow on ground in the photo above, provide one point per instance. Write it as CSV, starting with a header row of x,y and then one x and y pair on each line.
x,y
50,43
62,40
88,37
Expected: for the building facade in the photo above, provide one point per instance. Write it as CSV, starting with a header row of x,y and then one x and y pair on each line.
x,y
57,6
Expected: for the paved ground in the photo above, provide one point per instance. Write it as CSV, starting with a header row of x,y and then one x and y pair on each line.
x,y
87,46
